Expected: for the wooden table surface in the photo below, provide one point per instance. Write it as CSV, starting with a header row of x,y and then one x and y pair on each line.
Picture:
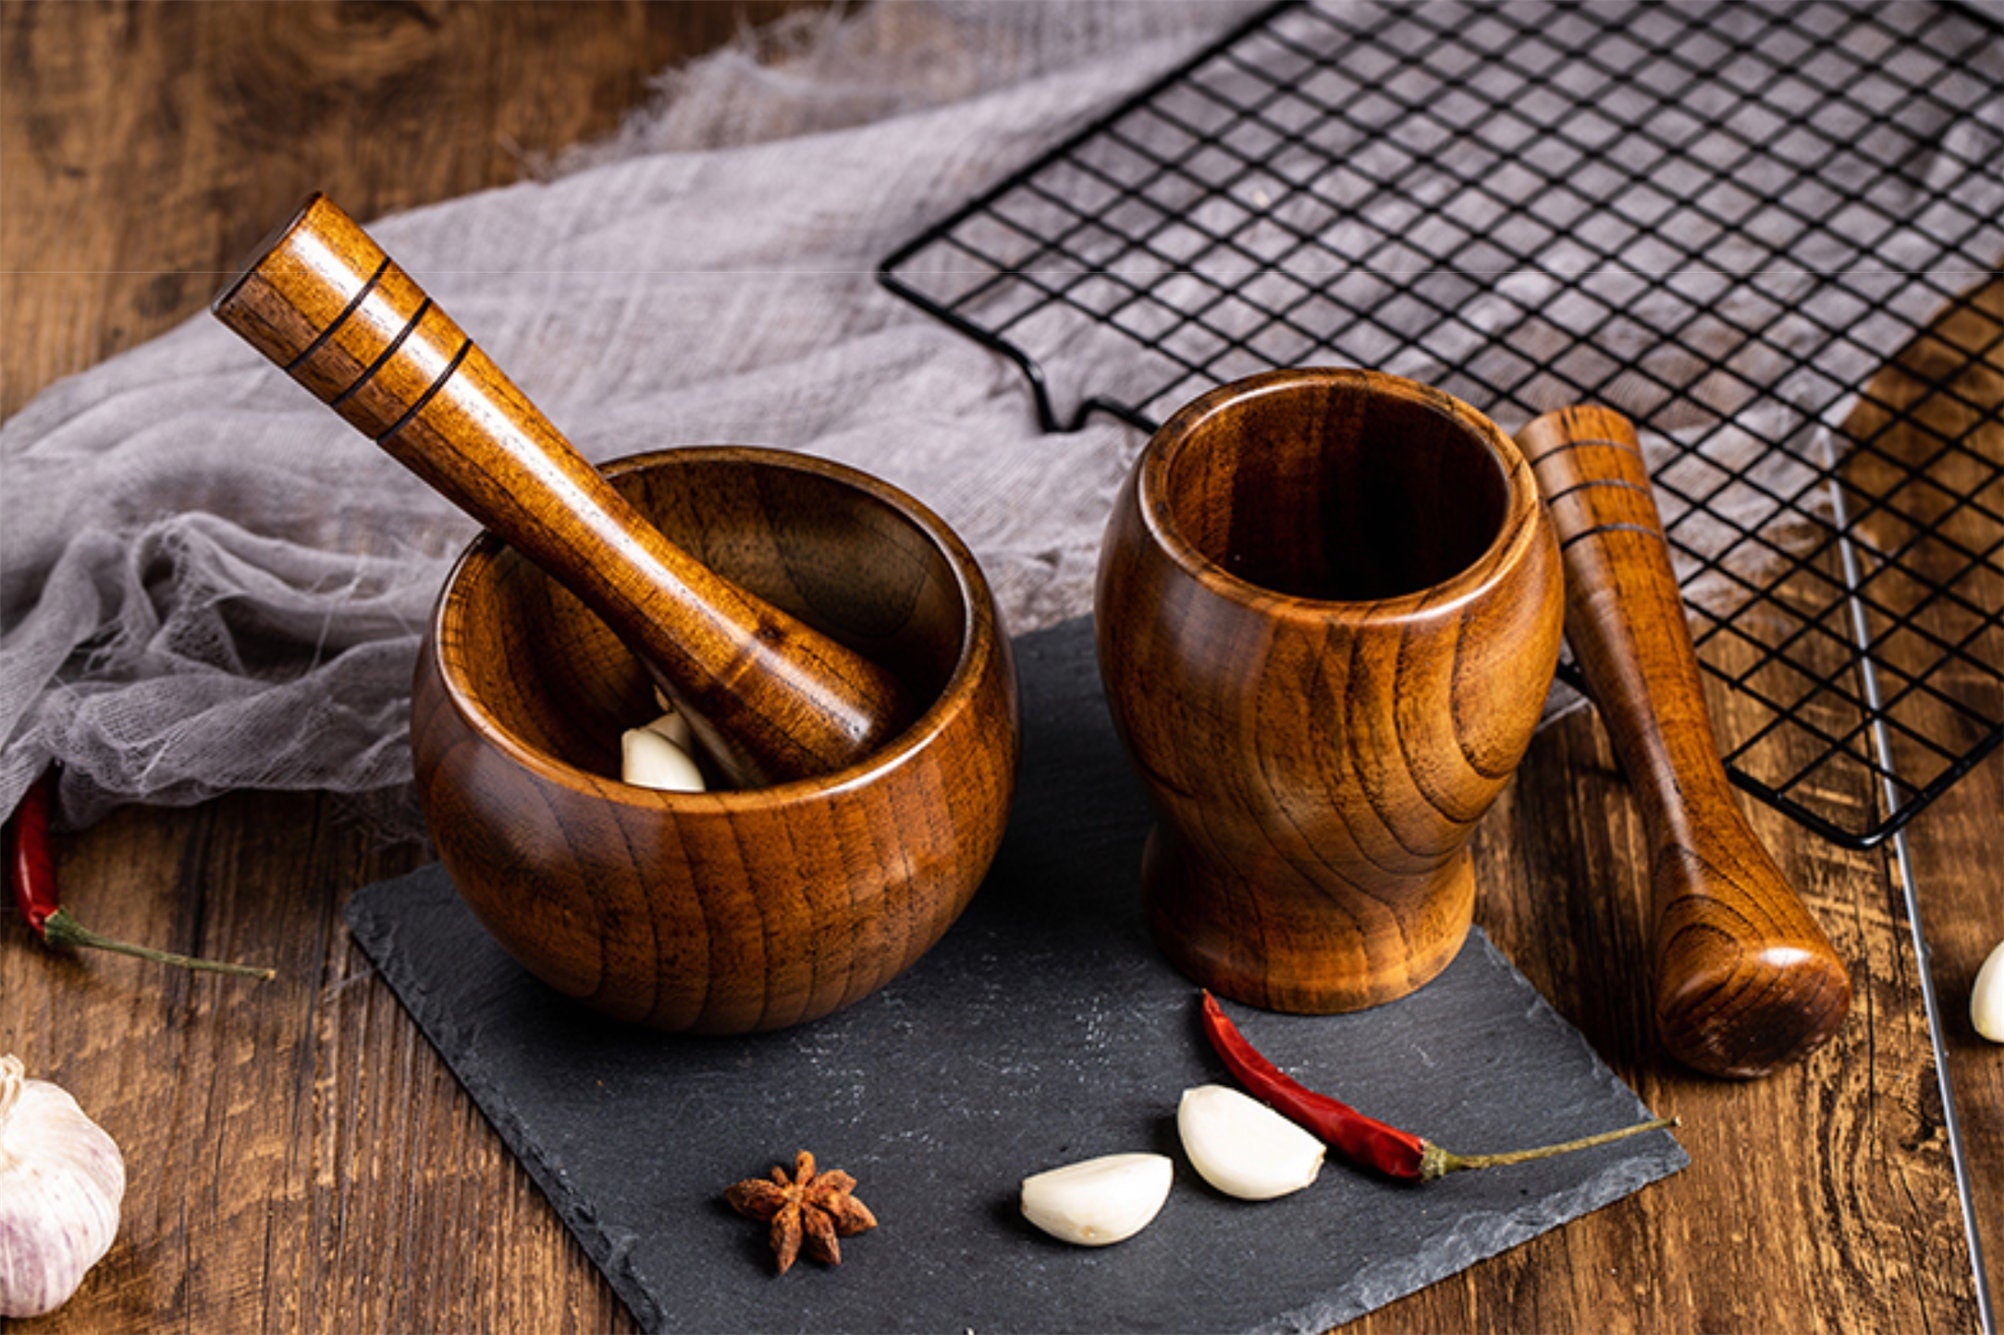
x,y
299,1157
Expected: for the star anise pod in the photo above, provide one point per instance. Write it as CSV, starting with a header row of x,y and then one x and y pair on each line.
x,y
810,1207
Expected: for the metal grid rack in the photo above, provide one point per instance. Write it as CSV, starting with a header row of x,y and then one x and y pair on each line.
x,y
1770,234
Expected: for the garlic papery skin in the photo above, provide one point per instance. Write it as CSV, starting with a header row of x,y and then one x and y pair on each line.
x,y
61,1181
1244,1148
1101,1201
649,760
1986,998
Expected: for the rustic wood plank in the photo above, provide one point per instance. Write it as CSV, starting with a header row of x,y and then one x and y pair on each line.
x,y
1955,864
301,1159
1946,389
221,117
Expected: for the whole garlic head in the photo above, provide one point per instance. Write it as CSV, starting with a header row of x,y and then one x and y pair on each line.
x,y
61,1181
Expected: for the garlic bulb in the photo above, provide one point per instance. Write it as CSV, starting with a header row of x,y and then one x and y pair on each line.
x,y
61,1180
1100,1201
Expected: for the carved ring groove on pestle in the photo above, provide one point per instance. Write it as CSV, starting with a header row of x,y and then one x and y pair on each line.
x,y
770,696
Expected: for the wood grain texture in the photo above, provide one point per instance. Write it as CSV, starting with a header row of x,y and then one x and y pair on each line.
x,y
1947,386
1743,978
225,115
770,698
303,1161
720,912
1329,611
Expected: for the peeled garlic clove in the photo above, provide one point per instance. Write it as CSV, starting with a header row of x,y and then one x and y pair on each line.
x,y
1986,999
649,760
675,728
61,1181
1100,1201
1244,1148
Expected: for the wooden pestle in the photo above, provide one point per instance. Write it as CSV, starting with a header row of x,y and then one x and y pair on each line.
x,y
1744,978
770,698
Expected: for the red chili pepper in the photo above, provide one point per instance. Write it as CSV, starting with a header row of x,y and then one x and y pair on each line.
x,y
31,875
1365,1140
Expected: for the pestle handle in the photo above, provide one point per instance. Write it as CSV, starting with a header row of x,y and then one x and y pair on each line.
x,y
1745,980
771,698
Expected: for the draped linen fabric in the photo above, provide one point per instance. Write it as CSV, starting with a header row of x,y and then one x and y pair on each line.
x,y
207,581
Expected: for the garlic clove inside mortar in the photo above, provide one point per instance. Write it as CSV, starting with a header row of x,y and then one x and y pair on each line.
x,y
1986,998
649,760
675,728
1101,1201
61,1182
1244,1148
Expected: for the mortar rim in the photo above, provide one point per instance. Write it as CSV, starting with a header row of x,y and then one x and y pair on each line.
x,y
1517,529
978,646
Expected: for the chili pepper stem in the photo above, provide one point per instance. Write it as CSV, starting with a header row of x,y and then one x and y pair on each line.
x,y
60,929
1436,1163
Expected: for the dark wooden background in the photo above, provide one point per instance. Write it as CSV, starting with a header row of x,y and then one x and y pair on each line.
x,y
300,1159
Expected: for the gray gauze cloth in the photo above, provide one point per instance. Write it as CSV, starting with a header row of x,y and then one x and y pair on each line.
x,y
211,582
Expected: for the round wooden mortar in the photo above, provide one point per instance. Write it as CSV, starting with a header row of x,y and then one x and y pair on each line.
x,y
1330,607
725,911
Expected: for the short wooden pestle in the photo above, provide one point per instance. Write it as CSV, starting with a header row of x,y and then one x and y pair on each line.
x,y
1744,979
770,698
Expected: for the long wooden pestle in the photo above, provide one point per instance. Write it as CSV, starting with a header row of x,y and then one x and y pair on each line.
x,y
770,698
1744,979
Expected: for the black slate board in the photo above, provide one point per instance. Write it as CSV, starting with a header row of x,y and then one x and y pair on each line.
x,y
1043,1029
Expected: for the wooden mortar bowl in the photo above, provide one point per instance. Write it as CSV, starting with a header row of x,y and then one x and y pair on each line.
x,y
1329,607
718,912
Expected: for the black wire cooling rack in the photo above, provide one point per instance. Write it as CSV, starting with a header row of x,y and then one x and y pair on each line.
x,y
1769,233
